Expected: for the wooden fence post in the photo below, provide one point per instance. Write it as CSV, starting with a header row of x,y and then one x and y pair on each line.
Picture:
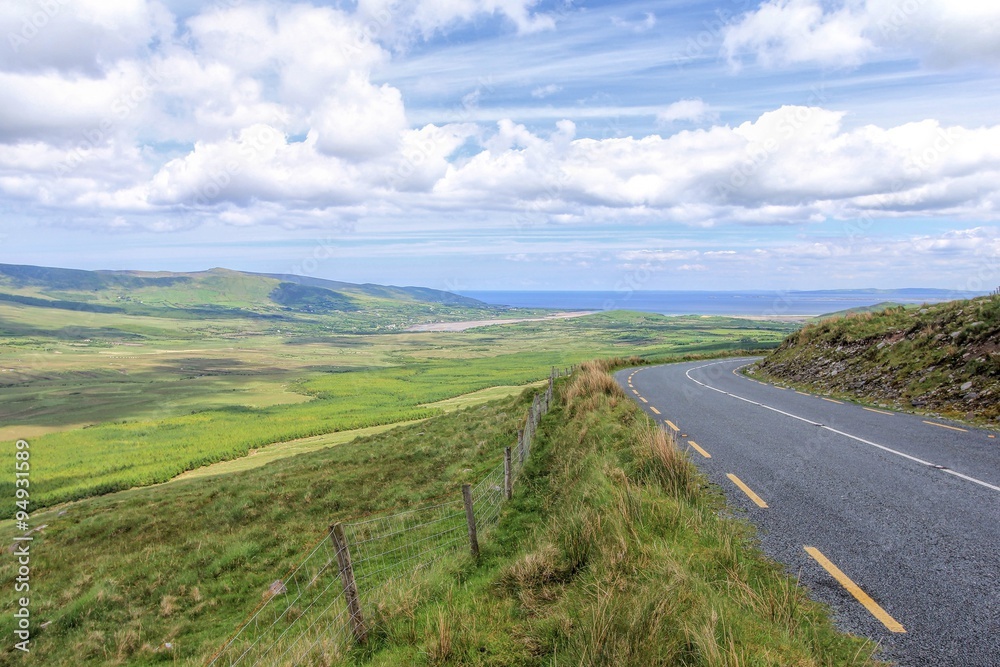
x,y
347,579
508,481
470,517
520,445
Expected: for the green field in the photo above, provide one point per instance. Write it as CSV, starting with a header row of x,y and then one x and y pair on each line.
x,y
151,397
612,554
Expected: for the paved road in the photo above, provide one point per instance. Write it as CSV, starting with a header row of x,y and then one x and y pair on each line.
x,y
904,509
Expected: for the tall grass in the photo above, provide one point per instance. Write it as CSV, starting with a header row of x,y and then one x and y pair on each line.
x,y
613,553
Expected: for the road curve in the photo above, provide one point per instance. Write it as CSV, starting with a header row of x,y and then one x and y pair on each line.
x,y
891,519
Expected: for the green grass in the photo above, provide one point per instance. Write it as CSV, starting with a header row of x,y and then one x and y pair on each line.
x,y
166,403
119,575
614,552
941,358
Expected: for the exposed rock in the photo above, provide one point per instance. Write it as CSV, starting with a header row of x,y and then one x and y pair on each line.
x,y
966,386
276,588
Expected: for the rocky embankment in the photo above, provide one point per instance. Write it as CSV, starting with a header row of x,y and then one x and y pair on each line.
x,y
943,358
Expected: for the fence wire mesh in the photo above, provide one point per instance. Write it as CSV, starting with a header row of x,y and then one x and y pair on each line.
x,y
387,548
300,615
305,618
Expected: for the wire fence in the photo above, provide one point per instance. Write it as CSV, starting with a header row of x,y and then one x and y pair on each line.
x,y
315,614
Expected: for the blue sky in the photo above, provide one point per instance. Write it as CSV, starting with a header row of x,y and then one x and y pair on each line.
x,y
508,144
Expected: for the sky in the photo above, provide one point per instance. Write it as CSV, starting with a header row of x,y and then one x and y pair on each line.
x,y
508,144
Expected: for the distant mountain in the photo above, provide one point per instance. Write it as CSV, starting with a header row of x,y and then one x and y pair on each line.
x,y
216,292
419,294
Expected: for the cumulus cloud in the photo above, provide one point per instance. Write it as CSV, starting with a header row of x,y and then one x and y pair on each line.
x,y
849,32
81,36
251,113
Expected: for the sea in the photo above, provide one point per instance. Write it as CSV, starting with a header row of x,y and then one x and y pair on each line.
x,y
747,304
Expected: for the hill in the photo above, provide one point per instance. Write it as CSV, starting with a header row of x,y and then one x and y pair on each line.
x,y
876,308
943,358
214,292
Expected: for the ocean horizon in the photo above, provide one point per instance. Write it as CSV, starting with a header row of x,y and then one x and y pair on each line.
x,y
753,303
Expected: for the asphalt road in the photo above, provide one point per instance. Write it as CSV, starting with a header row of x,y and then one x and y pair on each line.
x,y
906,508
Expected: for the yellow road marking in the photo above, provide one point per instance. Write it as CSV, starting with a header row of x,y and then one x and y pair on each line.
x,y
635,391
655,411
746,489
881,412
802,392
953,428
699,449
832,401
873,608
671,424
643,399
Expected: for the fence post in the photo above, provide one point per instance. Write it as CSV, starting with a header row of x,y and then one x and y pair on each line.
x,y
470,517
347,579
508,481
520,446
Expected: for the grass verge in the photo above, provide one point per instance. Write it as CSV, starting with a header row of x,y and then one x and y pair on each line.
x,y
615,551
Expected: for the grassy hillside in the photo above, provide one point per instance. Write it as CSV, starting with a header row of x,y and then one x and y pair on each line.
x,y
614,552
117,577
943,358
222,294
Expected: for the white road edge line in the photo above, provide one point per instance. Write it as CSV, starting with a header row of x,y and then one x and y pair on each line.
x,y
833,430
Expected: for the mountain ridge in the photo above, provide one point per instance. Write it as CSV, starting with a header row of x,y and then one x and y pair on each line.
x,y
223,290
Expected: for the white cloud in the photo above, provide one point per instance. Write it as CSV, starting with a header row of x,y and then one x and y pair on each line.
x,y
398,21
83,36
849,32
648,22
691,110
545,91
359,120
272,114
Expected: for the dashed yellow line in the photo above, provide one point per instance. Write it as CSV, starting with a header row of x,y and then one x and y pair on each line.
x,y
873,608
671,424
643,399
953,428
881,412
831,400
635,391
802,393
746,489
655,411
699,449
